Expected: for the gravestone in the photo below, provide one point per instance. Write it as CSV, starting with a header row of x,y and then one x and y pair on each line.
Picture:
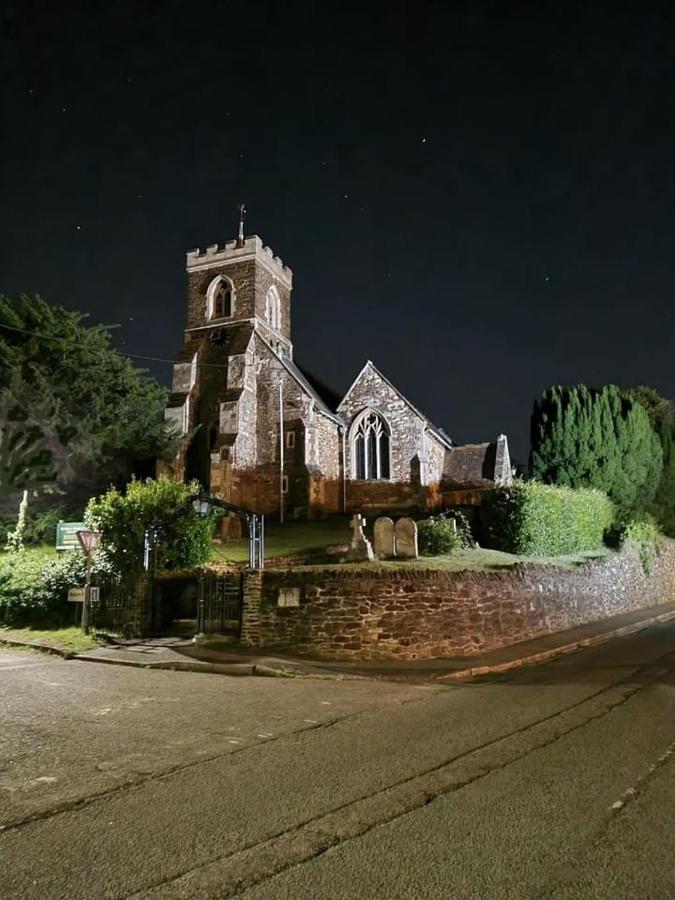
x,y
383,532
406,538
359,547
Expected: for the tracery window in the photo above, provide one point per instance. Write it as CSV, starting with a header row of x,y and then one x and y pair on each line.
x,y
273,308
219,298
370,444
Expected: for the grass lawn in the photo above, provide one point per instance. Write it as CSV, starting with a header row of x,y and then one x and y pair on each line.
x,y
72,639
300,537
46,551
289,538
479,560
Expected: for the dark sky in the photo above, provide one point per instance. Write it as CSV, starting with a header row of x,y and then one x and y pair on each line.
x,y
480,198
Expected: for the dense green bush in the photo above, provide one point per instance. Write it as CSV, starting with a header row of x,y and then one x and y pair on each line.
x,y
34,586
436,535
179,540
536,519
443,533
641,531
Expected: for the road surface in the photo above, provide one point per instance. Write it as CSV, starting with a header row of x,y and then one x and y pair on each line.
x,y
552,782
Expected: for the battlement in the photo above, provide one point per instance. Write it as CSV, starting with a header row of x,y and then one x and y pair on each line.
x,y
231,251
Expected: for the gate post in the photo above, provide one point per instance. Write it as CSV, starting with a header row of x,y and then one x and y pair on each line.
x,y
201,619
251,596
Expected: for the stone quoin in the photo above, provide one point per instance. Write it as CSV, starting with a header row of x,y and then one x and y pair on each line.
x,y
262,433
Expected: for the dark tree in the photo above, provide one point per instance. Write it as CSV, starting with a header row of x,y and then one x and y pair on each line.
x,y
662,417
602,438
72,408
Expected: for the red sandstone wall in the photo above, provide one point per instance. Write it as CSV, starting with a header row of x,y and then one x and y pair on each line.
x,y
388,614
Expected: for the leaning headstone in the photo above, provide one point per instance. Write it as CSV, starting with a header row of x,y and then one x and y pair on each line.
x,y
359,547
383,532
406,538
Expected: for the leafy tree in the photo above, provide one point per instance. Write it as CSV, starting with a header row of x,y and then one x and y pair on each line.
x,y
597,438
72,408
179,540
662,417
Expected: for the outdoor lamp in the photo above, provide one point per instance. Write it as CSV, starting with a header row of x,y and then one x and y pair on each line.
x,y
201,507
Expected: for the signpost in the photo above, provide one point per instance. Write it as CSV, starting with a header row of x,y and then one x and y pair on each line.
x,y
66,535
76,595
88,541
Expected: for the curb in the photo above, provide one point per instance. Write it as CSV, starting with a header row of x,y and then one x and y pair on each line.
x,y
236,669
43,648
249,669
554,652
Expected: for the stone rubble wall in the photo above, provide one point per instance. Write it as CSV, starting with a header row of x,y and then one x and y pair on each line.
x,y
356,613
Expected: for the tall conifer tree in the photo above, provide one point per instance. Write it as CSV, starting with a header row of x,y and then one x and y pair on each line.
x,y
603,438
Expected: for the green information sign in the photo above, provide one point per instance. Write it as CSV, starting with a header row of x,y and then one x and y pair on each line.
x,y
66,535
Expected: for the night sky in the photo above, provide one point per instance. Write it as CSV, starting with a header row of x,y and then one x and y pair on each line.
x,y
480,198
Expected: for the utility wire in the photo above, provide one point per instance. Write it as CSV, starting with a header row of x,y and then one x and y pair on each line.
x,y
50,337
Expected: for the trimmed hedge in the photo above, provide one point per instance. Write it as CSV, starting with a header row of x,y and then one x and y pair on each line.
x,y
535,519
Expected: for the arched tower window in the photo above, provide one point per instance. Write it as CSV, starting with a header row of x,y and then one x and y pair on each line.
x,y
370,446
219,298
273,308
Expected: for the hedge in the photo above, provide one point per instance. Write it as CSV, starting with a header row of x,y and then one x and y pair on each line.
x,y
535,519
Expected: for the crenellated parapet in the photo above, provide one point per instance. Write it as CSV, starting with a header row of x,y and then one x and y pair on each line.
x,y
234,251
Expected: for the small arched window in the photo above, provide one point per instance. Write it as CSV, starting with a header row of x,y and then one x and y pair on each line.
x,y
273,308
371,447
219,298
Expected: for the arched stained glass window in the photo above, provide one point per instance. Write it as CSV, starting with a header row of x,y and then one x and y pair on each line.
x,y
371,447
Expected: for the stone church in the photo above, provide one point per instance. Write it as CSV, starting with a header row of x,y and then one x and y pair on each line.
x,y
264,434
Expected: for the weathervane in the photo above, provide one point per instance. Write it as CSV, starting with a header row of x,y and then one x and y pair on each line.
x,y
240,239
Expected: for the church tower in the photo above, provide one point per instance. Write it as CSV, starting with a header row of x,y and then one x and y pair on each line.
x,y
240,282
236,292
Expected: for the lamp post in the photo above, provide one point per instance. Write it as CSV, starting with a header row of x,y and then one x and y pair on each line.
x,y
88,541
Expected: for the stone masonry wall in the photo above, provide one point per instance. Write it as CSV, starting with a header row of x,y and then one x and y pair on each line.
x,y
406,427
242,274
359,613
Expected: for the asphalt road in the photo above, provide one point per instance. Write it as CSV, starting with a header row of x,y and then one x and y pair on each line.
x,y
554,782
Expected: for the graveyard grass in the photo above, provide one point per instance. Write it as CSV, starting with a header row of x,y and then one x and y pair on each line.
x,y
291,538
297,538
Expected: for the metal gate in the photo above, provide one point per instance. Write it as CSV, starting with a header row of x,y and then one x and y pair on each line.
x,y
220,603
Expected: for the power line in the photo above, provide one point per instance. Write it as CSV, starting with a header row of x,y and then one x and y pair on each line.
x,y
50,337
